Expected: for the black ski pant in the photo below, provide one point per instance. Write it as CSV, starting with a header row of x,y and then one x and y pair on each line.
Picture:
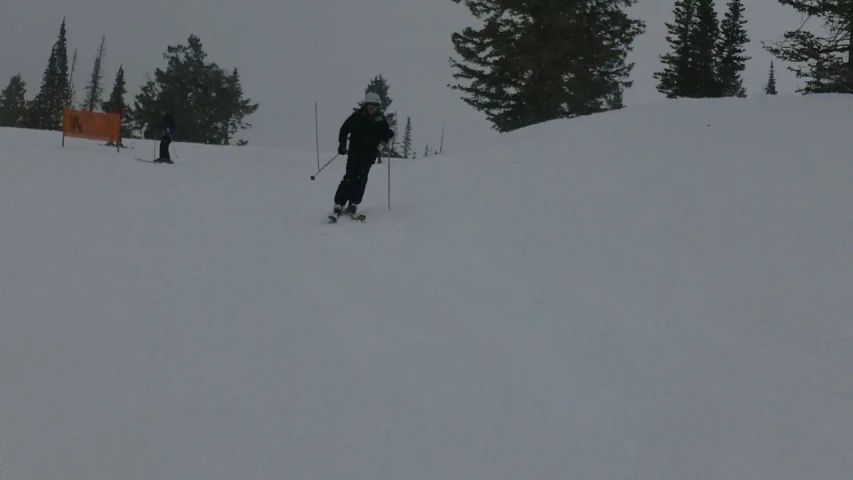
x,y
164,147
355,179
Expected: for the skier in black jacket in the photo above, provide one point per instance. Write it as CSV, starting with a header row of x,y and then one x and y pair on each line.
x,y
366,128
166,140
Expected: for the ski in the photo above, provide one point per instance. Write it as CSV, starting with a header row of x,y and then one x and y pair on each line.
x,y
152,161
333,218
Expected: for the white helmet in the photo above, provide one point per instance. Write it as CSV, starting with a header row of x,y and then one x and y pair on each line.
x,y
373,98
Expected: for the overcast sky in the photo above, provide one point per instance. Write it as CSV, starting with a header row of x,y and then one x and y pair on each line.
x,y
292,53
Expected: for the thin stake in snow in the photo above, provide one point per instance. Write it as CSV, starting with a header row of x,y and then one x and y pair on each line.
x,y
388,161
317,133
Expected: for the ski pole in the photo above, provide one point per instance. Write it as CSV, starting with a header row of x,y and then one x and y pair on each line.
x,y
314,177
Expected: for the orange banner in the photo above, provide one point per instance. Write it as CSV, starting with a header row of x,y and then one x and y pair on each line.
x,y
91,125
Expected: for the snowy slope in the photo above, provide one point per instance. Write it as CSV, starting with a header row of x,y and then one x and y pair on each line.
x,y
659,293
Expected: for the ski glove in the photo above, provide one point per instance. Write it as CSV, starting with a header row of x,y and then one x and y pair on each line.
x,y
389,134
342,150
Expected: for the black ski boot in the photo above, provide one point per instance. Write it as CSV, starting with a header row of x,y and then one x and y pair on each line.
x,y
336,213
352,209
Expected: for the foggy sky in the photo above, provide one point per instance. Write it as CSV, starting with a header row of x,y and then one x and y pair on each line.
x,y
292,53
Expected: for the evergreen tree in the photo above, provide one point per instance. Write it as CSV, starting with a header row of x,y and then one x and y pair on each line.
x,y
206,101
116,100
13,104
535,61
677,79
116,103
407,138
426,150
71,92
706,56
146,115
770,88
238,107
732,49
63,89
705,38
95,87
46,108
825,61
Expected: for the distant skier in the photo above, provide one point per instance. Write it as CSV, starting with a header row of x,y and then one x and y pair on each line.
x,y
367,127
166,140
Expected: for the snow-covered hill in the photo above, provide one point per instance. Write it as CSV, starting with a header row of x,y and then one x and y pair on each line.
x,y
659,293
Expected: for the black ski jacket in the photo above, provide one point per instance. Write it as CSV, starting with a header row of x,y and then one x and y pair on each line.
x,y
365,133
169,124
